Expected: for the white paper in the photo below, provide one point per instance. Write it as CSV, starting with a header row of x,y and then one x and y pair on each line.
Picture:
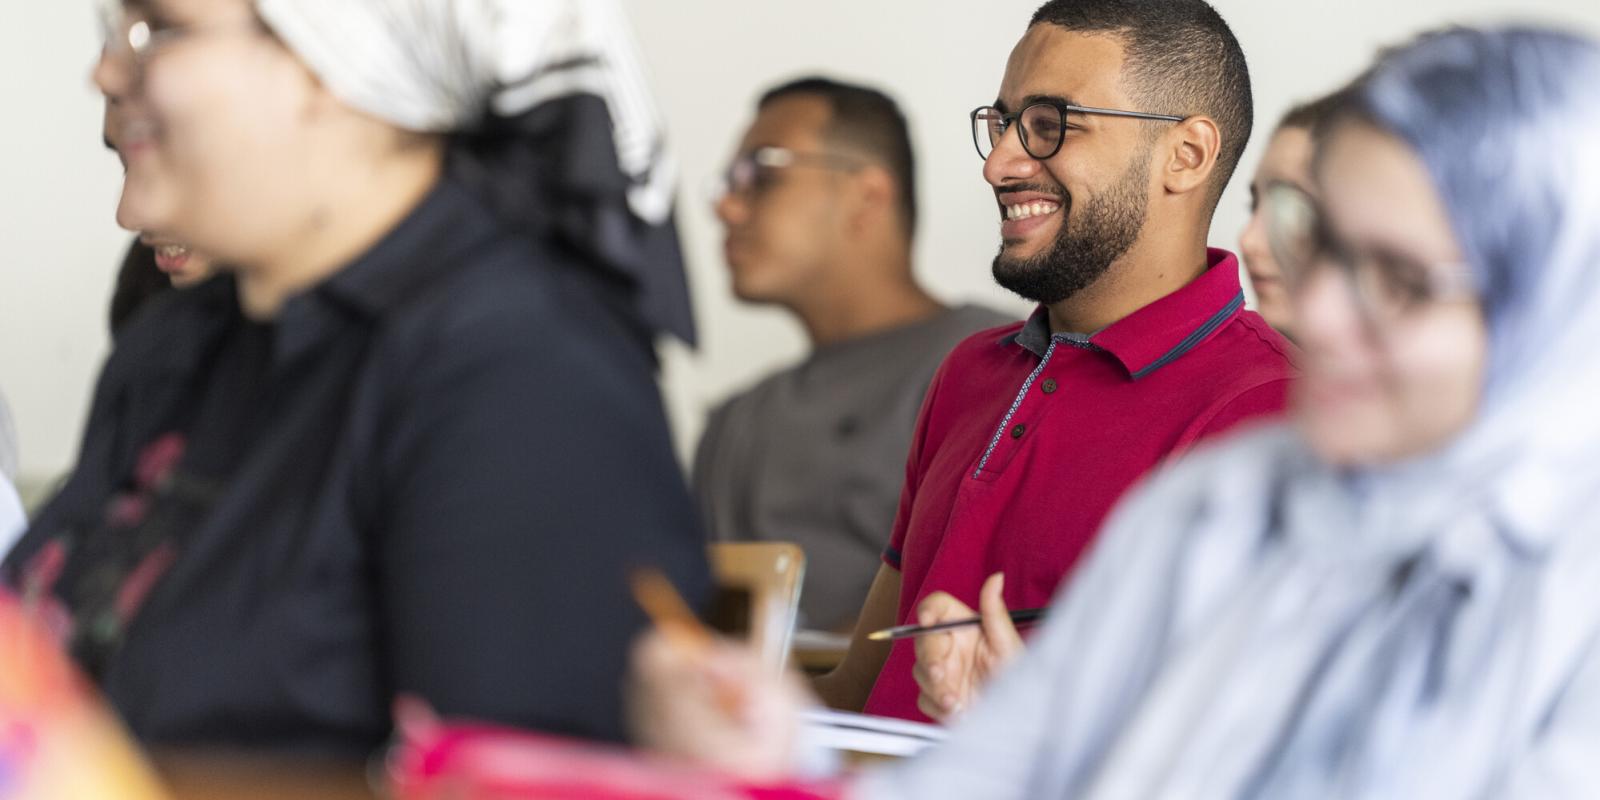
x,y
863,733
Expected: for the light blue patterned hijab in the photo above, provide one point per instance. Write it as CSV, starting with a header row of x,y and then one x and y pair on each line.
x,y
1506,123
1444,605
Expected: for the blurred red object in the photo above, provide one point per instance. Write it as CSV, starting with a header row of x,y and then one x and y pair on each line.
x,y
58,739
440,761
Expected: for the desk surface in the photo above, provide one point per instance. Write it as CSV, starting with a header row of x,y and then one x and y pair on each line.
x,y
818,652
212,777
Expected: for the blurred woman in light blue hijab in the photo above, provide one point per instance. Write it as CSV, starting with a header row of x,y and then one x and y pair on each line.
x,y
1398,594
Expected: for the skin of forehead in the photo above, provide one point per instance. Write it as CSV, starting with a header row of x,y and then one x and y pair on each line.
x,y
796,121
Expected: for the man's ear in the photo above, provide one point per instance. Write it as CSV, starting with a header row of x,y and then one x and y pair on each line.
x,y
1191,150
877,196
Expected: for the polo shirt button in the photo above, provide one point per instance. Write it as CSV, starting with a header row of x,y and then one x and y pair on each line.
x,y
1049,386
1016,433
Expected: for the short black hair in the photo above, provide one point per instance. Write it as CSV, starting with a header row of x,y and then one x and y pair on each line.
x,y
1180,57
867,120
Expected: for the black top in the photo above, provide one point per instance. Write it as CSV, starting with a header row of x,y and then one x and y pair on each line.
x,y
430,476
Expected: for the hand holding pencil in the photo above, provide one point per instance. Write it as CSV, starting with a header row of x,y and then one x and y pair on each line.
x,y
952,666
702,699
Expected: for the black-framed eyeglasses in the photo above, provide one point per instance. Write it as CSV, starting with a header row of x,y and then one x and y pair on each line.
x,y
751,173
1385,286
1043,127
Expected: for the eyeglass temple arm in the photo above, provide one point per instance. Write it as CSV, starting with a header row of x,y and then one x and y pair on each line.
x,y
1112,112
995,114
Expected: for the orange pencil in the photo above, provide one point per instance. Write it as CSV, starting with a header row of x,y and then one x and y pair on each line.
x,y
667,609
676,621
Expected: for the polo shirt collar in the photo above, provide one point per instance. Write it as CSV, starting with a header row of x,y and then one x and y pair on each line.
x,y
1035,335
1161,332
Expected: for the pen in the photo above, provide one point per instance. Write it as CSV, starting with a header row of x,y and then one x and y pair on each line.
x,y
1021,616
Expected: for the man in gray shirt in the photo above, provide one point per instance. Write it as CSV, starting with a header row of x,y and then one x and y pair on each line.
x,y
819,209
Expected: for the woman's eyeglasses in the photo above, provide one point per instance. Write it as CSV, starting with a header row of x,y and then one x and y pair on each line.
x,y
137,34
1385,286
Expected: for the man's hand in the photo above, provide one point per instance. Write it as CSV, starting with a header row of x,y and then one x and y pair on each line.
x,y
952,666
716,706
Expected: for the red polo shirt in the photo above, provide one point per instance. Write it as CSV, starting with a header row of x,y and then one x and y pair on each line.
x,y
1026,440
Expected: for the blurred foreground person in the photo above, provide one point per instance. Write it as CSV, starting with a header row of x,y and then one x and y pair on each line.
x,y
410,443
1397,595
152,264
58,740
151,270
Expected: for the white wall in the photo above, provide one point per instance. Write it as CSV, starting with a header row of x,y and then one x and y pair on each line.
x,y
61,249
710,60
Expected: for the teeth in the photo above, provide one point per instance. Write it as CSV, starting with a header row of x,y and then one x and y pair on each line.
x,y
172,250
1034,209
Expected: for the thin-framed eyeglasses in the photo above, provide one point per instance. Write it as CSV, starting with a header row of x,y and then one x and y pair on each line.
x,y
136,33
1044,125
751,174
1385,286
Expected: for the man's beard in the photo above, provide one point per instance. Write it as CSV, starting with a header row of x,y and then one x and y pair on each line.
x,y
1107,225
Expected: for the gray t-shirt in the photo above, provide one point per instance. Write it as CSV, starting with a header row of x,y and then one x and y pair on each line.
x,y
815,455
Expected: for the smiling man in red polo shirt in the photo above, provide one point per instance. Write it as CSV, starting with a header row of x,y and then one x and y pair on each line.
x,y
1117,126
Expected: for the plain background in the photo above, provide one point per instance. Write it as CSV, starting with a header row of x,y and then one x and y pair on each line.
x,y
710,59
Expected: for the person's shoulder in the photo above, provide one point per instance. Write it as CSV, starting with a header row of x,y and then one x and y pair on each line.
x,y
910,356
976,354
1257,448
505,280
985,342
1223,468
1244,358
1242,379
1200,524
968,318
513,286
523,305
749,398
1250,346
